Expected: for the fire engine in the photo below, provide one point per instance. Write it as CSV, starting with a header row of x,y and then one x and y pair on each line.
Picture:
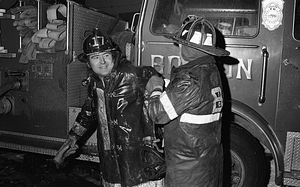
x,y
41,94
261,77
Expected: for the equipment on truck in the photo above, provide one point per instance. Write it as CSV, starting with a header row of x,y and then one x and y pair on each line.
x,y
41,78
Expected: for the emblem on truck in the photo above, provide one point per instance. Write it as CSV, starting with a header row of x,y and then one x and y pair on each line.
x,y
272,13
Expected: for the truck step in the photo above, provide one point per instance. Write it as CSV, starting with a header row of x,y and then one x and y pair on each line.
x,y
292,160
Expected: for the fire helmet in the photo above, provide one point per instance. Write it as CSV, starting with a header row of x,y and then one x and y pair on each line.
x,y
96,42
200,34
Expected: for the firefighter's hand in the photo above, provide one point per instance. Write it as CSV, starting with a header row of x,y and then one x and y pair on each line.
x,y
155,84
152,142
67,149
148,140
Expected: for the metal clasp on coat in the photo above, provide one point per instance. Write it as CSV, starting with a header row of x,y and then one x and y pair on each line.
x,y
113,122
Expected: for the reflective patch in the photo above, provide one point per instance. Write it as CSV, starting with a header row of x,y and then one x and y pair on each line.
x,y
155,93
103,120
170,110
199,119
167,81
218,99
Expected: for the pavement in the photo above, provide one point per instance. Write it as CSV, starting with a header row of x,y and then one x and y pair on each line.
x,y
19,169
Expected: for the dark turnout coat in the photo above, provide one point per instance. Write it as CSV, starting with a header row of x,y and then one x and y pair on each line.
x,y
116,106
190,108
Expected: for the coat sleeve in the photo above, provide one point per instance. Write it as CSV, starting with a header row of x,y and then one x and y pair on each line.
x,y
85,118
181,95
145,73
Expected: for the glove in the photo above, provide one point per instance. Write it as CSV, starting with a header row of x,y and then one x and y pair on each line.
x,y
68,148
152,142
153,162
148,140
155,83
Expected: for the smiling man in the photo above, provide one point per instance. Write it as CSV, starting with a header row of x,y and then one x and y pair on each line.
x,y
101,63
116,105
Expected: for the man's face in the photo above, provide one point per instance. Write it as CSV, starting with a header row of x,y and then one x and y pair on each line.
x,y
101,63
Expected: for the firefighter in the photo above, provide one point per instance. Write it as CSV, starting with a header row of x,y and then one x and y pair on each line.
x,y
116,105
191,109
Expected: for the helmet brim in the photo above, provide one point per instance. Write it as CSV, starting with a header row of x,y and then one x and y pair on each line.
x,y
215,51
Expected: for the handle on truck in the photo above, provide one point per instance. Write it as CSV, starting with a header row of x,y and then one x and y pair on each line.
x,y
262,93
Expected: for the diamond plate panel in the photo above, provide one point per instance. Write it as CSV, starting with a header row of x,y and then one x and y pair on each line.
x,y
32,136
289,150
291,182
38,150
292,159
76,93
26,148
296,154
87,19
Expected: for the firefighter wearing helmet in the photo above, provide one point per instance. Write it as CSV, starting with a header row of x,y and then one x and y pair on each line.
x,y
191,108
115,104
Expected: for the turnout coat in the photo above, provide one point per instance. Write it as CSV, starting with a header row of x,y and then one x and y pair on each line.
x,y
116,106
190,107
